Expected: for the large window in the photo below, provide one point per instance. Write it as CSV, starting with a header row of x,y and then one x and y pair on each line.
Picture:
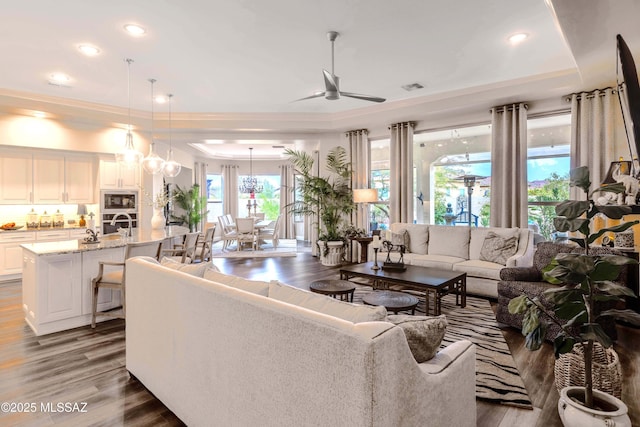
x,y
214,197
268,201
548,166
380,172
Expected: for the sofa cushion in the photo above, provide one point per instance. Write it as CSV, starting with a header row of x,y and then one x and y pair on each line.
x,y
193,269
325,304
253,286
498,249
449,241
397,239
478,268
418,237
479,234
424,333
436,261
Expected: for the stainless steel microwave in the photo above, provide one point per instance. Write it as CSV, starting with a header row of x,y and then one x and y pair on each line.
x,y
113,201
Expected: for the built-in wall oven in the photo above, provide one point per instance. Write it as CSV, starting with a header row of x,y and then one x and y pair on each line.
x,y
113,202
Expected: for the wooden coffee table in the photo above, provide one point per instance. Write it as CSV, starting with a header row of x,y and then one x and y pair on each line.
x,y
430,280
392,301
334,288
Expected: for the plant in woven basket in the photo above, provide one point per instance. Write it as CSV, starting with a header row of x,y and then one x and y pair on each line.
x,y
586,281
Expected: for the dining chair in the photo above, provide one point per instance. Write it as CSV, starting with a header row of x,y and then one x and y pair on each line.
x,y
271,233
259,216
115,279
184,252
245,232
203,248
226,235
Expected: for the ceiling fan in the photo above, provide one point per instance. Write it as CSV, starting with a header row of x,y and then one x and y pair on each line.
x,y
332,82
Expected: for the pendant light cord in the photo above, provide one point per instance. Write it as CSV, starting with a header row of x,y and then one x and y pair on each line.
x,y
152,82
129,61
170,145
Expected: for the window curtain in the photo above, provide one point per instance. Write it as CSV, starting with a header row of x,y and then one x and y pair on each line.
x,y
593,122
360,151
401,173
287,226
230,190
509,166
200,177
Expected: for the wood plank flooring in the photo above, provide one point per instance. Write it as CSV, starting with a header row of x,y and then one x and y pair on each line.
x,y
85,365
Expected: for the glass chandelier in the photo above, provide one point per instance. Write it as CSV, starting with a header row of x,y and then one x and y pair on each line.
x,y
153,163
171,167
250,184
129,156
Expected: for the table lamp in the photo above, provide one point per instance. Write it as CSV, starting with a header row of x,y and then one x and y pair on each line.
x,y
82,211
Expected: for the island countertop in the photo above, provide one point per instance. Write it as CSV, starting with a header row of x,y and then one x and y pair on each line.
x,y
105,242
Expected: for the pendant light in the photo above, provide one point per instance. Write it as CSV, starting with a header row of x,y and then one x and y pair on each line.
x,y
171,167
153,163
250,185
129,157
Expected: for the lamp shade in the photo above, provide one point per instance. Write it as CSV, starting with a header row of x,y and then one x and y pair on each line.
x,y
82,209
365,195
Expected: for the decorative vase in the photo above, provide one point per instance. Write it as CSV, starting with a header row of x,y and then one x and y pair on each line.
x,y
158,220
610,411
335,254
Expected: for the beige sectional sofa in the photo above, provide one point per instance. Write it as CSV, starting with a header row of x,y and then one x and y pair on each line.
x,y
460,248
233,352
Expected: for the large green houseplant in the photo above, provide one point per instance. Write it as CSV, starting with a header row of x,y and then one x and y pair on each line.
x,y
586,280
193,205
331,198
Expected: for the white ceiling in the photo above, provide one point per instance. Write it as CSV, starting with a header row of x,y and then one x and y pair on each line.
x,y
255,56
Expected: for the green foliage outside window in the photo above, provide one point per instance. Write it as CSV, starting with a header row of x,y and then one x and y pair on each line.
x,y
555,189
444,182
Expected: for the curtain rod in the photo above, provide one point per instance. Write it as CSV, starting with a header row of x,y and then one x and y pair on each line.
x,y
356,132
403,125
589,94
510,107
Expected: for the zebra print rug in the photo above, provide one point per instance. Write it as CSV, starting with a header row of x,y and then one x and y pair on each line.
x,y
497,377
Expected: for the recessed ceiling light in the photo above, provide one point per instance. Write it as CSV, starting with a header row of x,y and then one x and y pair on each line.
x,y
161,99
412,86
88,49
59,78
134,29
39,114
517,38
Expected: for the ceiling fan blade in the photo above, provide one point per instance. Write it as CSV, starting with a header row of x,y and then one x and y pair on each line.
x,y
330,81
316,95
363,97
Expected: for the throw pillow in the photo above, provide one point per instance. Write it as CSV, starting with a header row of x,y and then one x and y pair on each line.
x,y
397,239
424,333
193,269
498,249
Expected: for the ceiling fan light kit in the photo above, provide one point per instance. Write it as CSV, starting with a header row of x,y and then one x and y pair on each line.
x,y
332,82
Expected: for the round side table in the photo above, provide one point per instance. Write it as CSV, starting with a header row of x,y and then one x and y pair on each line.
x,y
392,301
333,288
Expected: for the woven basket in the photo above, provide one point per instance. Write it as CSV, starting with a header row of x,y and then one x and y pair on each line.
x,y
607,376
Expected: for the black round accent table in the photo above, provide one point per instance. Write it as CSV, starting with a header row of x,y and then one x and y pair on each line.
x,y
333,288
392,301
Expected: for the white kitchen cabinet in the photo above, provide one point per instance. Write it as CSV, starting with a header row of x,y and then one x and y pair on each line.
x,y
16,177
113,177
67,179
48,179
52,235
11,252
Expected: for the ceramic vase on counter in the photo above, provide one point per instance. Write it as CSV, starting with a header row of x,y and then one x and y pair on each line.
x,y
158,220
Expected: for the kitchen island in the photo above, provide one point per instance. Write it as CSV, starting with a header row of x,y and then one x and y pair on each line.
x,y
56,277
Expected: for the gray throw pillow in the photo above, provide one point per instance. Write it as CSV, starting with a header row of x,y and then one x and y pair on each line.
x,y
397,239
424,333
498,249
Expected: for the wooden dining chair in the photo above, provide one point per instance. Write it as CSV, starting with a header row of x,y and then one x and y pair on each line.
x,y
203,248
271,233
226,234
115,279
185,252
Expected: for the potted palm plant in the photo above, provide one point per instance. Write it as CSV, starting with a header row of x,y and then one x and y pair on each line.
x,y
586,280
331,198
193,205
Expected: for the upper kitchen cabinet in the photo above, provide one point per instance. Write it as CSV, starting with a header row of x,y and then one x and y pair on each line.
x,y
45,178
67,179
16,177
113,177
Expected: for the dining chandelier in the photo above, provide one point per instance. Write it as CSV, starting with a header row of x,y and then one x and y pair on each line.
x,y
129,156
250,184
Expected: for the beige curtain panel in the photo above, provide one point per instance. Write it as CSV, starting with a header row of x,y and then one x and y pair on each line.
x,y
230,190
509,166
594,116
359,148
401,173
287,226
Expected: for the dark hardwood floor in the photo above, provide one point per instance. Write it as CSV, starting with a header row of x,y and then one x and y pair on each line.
x,y
85,365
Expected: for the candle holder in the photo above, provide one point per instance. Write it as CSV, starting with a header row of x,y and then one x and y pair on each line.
x,y
375,259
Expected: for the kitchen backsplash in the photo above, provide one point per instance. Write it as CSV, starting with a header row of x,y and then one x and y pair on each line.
x,y
18,213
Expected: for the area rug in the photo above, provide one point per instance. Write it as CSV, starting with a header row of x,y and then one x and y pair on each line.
x,y
497,377
286,248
